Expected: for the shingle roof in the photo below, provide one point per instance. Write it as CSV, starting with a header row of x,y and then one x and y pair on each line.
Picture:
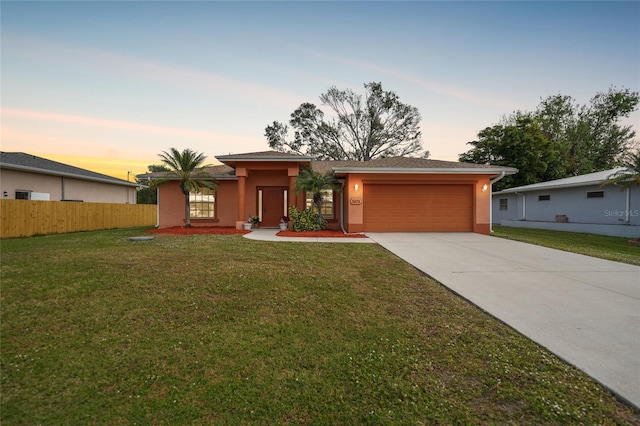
x,y
595,178
381,165
273,153
220,172
408,164
35,164
264,155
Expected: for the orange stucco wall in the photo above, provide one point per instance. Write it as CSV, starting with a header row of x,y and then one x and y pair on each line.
x,y
171,200
482,223
171,206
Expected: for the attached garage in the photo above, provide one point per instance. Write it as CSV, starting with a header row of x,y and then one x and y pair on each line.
x,y
418,207
403,194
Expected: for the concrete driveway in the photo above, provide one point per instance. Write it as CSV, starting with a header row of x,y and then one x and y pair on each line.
x,y
583,309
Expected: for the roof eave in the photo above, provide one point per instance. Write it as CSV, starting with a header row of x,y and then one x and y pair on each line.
x,y
548,187
403,170
115,181
178,178
225,178
265,158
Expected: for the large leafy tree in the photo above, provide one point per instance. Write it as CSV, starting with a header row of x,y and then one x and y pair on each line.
x,y
315,182
186,166
363,129
521,145
571,139
591,136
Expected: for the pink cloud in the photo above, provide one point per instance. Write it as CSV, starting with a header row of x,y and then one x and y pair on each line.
x,y
129,66
78,120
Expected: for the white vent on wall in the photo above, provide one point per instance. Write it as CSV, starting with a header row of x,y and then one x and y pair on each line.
x,y
39,196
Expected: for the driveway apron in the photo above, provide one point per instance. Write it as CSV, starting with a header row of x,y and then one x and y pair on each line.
x,y
583,309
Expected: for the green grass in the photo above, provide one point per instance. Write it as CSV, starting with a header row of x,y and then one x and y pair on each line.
x,y
209,329
618,249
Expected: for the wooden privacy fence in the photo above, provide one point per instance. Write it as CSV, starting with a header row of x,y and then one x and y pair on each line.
x,y
23,218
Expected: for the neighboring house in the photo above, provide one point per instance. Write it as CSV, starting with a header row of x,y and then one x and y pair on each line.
x,y
391,194
580,204
28,177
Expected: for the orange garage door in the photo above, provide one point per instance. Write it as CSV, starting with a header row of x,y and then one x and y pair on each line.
x,y
418,208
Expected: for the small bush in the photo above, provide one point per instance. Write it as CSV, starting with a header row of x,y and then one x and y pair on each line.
x,y
306,220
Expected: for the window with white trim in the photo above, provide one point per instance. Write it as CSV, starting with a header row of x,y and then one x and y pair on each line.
x,y
327,203
504,204
202,204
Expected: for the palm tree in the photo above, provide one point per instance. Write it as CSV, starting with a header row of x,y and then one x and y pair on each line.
x,y
315,182
184,166
630,174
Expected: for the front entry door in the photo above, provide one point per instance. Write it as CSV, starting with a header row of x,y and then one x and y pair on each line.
x,y
271,201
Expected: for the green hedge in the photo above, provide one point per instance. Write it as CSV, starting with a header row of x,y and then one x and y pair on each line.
x,y
306,220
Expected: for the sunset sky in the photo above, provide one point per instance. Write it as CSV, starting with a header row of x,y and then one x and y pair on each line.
x,y
107,86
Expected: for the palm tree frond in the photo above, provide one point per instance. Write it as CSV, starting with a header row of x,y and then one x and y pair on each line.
x,y
315,182
629,175
184,167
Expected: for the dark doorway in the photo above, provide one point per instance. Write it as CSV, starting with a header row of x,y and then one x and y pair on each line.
x,y
271,205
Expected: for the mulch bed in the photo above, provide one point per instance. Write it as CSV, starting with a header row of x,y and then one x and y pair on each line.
x,y
327,233
222,230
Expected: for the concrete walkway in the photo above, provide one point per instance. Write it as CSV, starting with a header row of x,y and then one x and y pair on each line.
x,y
270,235
583,309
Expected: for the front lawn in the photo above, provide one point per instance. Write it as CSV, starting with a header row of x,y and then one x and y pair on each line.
x,y
218,329
618,249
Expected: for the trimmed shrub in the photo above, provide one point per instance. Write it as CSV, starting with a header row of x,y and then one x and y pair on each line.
x,y
306,220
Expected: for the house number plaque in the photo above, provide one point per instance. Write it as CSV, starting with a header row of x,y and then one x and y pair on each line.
x,y
355,201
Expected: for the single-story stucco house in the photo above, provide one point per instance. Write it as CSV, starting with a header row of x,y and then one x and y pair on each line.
x,y
579,204
29,177
383,195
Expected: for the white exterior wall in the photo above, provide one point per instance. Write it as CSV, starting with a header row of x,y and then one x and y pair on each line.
x,y
63,188
573,202
628,231
512,208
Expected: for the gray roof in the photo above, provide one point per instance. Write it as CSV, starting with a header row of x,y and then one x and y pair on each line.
x,y
409,165
220,172
268,156
589,179
34,164
381,165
